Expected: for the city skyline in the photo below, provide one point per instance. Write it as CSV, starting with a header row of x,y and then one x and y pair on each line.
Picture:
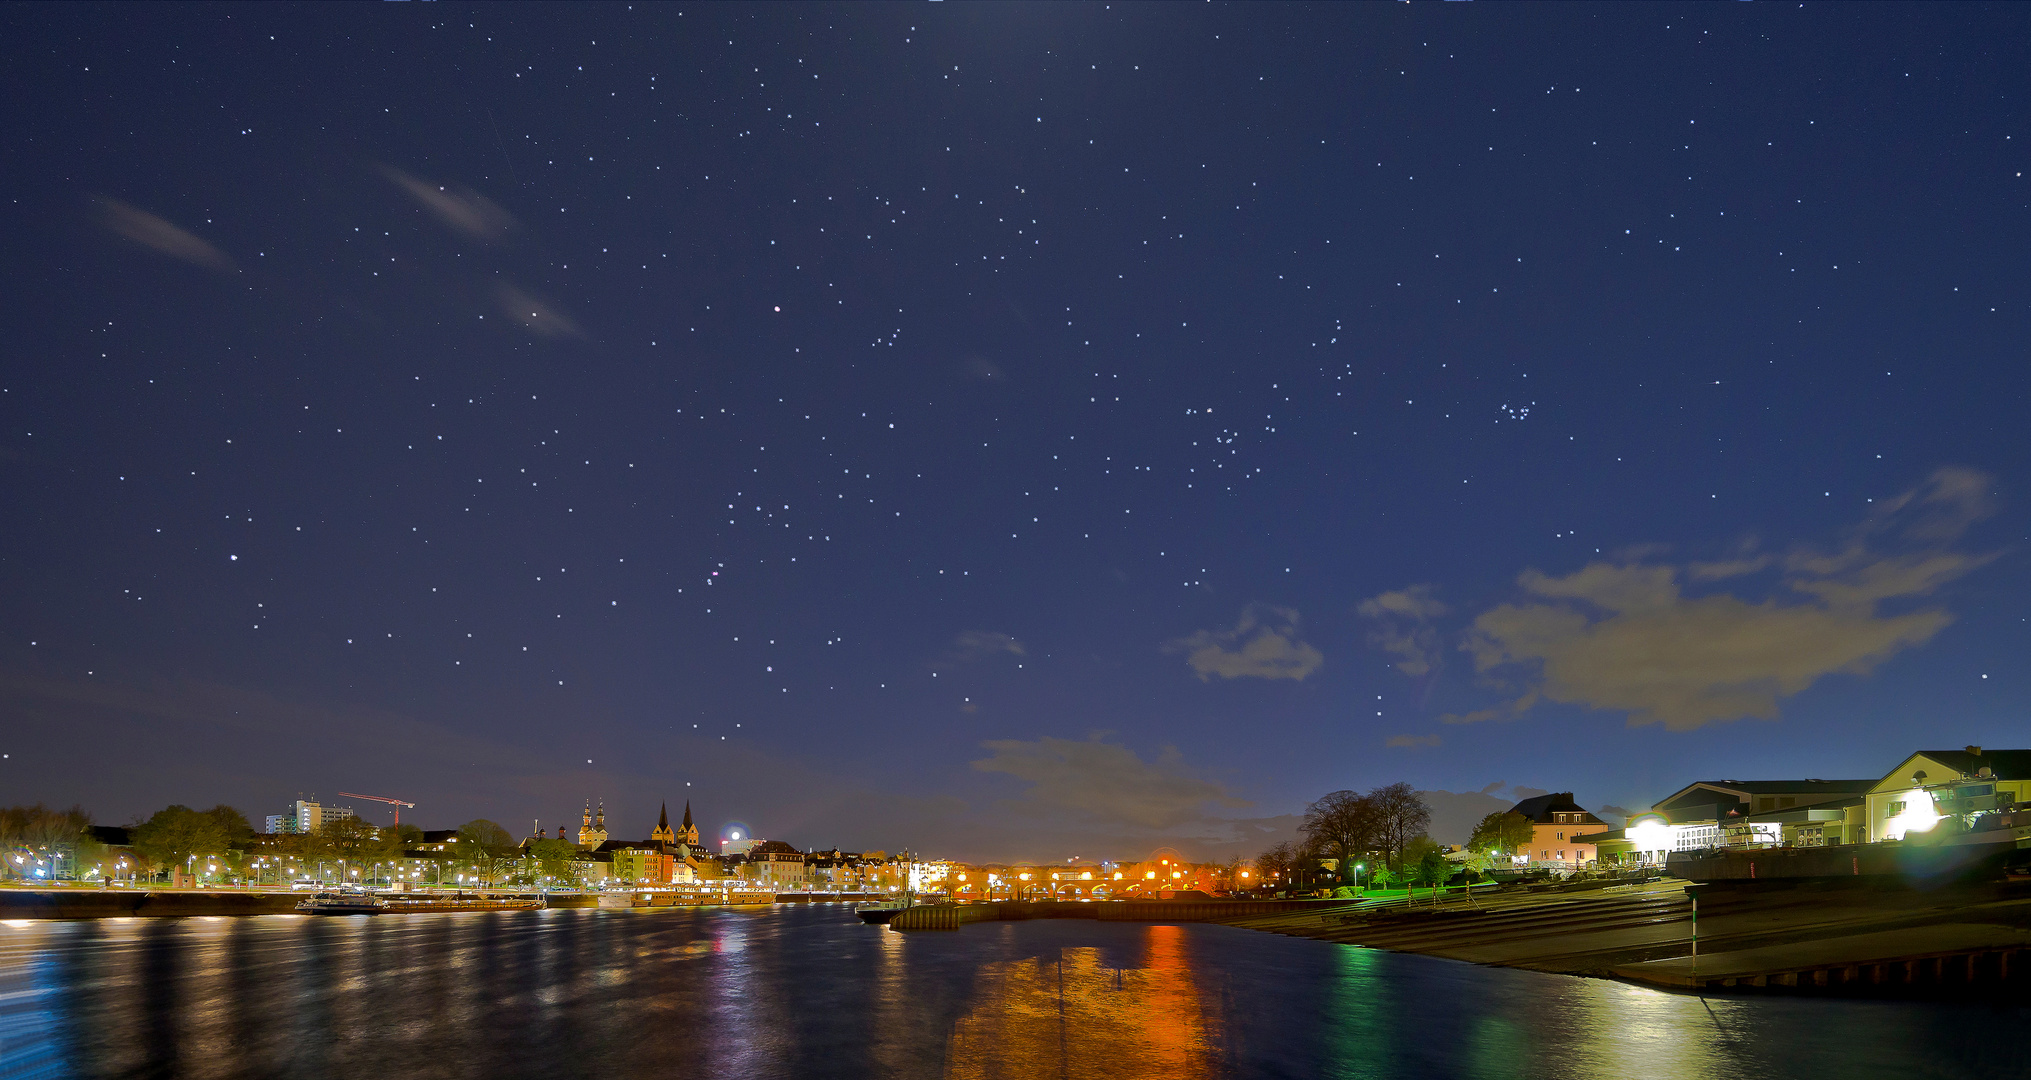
x,y
1007,432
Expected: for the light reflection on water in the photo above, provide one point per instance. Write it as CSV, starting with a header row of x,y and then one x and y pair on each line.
x,y
810,992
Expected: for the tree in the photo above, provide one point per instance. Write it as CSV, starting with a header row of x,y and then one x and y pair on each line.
x,y
1433,868
350,839
1502,833
1275,865
1400,813
481,846
553,859
53,841
176,835
1344,823
238,833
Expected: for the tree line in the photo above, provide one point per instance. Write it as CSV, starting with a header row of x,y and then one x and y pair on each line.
x,y
60,844
1382,830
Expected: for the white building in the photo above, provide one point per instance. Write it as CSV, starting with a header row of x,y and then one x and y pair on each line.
x,y
306,816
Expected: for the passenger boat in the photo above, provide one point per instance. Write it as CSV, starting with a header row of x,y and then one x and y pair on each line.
x,y
463,903
342,904
882,911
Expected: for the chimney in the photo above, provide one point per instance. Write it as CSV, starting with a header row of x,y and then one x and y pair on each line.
x,y
1975,750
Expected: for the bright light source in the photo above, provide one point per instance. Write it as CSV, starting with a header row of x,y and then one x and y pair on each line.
x,y
1650,833
1918,816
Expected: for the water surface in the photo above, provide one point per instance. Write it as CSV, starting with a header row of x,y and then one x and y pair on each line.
x,y
808,991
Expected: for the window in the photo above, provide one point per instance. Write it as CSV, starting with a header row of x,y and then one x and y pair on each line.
x,y
1562,836
1786,803
1897,807
1766,803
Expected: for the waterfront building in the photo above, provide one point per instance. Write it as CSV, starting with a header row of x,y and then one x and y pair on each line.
x,y
1718,800
1934,784
774,863
1747,814
643,864
1557,823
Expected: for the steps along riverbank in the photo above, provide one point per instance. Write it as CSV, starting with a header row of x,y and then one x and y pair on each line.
x,y
954,916
1882,938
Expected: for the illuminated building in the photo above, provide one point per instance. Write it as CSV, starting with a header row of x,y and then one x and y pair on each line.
x,y
592,830
1557,823
1931,785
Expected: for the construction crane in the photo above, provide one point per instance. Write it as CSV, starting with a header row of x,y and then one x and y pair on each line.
x,y
396,803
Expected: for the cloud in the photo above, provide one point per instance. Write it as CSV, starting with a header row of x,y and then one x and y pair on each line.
x,y
161,236
1412,742
1105,783
1717,571
974,644
1506,711
1403,626
1625,636
1268,648
535,313
1613,815
1455,813
463,209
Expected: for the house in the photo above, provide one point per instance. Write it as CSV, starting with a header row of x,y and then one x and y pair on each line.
x,y
776,864
641,864
1932,784
1557,822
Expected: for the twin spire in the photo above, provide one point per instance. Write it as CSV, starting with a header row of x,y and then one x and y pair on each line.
x,y
592,826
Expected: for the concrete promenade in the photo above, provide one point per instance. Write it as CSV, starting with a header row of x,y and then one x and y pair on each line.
x,y
1800,937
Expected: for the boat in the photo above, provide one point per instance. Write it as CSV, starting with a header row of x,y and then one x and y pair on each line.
x,y
882,911
342,904
463,903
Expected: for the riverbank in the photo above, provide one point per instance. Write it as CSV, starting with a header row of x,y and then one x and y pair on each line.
x,y
1880,938
85,903
88,903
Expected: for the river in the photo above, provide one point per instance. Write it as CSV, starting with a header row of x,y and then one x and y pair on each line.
x,y
808,991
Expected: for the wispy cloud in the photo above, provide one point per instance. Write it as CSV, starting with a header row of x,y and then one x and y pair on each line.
x,y
1401,623
1626,637
535,313
1105,783
974,644
464,209
160,235
1263,645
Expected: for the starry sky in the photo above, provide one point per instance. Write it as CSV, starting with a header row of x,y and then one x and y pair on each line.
x,y
1008,431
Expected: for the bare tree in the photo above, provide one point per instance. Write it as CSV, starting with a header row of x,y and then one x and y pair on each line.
x,y
1275,865
484,845
1344,823
37,838
1400,814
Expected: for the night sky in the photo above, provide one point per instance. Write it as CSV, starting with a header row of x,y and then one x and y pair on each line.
x,y
1013,431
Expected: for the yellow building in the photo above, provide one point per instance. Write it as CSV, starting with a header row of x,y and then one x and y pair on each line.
x,y
1934,784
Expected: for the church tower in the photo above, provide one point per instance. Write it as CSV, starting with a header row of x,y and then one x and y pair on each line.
x,y
663,835
688,835
592,830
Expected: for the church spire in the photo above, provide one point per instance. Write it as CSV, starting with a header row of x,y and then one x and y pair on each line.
x,y
663,835
688,833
